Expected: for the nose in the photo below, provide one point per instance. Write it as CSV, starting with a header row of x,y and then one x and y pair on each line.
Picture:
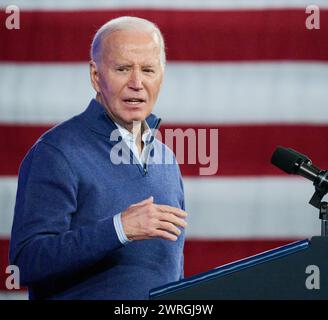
x,y
135,81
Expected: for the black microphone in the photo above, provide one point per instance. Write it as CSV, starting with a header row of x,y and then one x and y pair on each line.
x,y
293,162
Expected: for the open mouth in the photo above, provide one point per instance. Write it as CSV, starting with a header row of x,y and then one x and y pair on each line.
x,y
134,101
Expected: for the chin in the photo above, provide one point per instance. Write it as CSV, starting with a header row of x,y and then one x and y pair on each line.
x,y
138,116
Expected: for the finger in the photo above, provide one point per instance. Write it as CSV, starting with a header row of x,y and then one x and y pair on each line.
x,y
176,211
143,202
169,217
167,226
165,235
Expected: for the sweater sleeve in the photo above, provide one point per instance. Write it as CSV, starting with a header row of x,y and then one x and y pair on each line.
x,y
43,245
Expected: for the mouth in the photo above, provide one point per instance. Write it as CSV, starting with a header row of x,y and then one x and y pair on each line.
x,y
134,101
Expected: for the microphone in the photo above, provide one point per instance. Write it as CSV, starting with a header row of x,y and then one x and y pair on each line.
x,y
293,162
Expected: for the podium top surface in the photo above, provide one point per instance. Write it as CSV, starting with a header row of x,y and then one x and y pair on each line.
x,y
232,267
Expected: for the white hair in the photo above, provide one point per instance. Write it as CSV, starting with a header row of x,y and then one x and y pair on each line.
x,y
125,23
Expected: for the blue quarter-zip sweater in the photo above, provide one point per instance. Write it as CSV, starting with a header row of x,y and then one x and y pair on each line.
x,y
63,236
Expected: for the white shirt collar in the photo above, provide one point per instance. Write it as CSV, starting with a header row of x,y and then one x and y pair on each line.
x,y
129,136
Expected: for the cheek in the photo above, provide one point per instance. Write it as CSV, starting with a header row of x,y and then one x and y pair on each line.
x,y
155,90
108,82
110,89
117,86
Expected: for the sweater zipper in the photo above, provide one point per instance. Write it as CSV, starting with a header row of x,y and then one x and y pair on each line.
x,y
148,143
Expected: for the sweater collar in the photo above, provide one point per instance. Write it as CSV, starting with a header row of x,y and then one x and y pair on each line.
x,y
97,119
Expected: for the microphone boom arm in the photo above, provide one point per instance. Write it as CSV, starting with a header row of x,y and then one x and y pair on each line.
x,y
294,162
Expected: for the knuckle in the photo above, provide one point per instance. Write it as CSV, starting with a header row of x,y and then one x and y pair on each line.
x,y
150,232
150,212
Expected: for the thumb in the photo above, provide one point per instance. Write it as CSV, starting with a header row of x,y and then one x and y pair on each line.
x,y
143,202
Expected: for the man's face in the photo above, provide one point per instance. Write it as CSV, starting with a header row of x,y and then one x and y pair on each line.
x,y
128,75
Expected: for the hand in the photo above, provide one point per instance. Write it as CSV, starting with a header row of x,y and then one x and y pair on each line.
x,y
146,220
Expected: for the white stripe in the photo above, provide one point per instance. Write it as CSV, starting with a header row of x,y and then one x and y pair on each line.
x,y
8,187
191,92
250,208
228,207
13,295
161,4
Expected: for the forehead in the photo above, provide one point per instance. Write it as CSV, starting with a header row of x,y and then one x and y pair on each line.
x,y
131,45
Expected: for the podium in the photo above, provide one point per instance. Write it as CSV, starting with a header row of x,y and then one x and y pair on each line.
x,y
298,270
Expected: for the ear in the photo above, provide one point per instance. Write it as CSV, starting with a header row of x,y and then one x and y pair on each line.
x,y
94,75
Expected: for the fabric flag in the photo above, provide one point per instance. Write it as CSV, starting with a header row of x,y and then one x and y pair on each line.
x,y
250,69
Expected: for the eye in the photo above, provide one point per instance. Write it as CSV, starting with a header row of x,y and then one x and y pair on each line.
x,y
148,70
122,69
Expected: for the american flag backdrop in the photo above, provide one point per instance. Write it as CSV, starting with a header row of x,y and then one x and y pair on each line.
x,y
249,68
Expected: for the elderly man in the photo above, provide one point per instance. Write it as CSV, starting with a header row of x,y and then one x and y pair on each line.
x,y
87,227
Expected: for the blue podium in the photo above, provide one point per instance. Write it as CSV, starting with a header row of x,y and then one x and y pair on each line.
x,y
298,270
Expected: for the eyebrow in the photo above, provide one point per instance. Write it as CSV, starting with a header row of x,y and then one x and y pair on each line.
x,y
123,65
131,65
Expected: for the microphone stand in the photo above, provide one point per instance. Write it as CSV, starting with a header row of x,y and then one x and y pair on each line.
x,y
322,206
324,218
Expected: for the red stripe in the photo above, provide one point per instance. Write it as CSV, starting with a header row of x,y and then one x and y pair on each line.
x,y
213,252
244,150
4,262
15,141
64,36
